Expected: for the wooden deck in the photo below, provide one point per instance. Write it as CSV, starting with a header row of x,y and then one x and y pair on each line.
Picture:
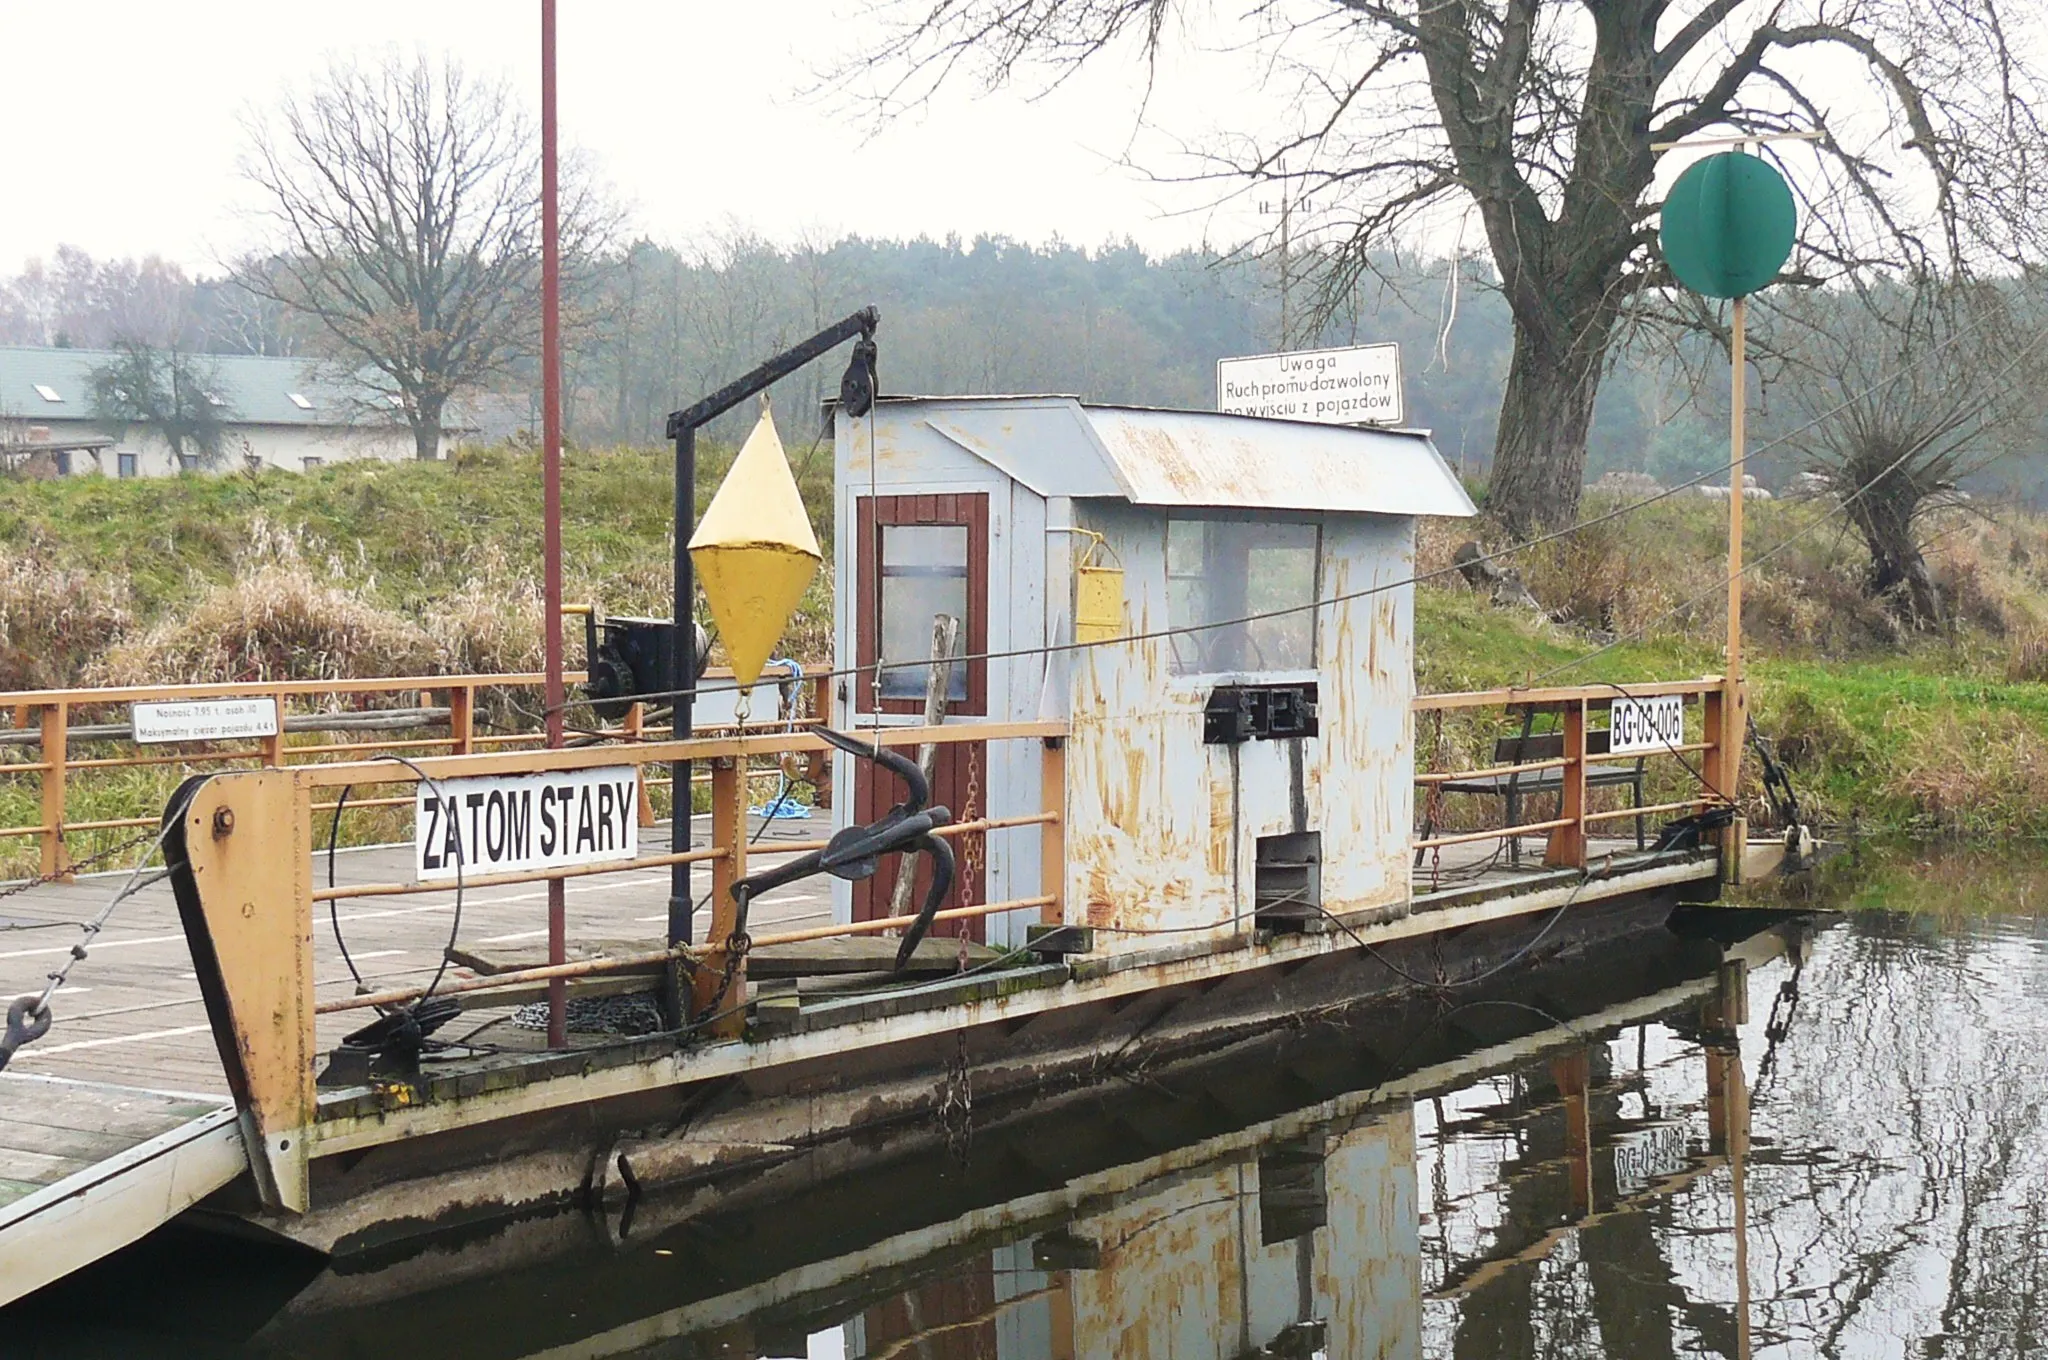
x,y
132,1016
51,1128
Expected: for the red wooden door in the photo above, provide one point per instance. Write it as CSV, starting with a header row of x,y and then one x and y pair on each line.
x,y
917,556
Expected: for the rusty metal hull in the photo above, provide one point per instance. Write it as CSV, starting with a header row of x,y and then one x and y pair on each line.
x,y
1160,1222
380,1177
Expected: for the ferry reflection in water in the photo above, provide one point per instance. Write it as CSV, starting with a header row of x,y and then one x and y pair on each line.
x,y
1564,1169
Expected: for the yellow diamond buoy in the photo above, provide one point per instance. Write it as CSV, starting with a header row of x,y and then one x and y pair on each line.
x,y
755,551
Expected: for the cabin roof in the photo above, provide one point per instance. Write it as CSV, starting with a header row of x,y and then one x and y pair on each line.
x,y
1062,446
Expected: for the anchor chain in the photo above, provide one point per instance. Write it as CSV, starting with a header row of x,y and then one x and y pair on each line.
x,y
971,844
955,1112
58,875
736,946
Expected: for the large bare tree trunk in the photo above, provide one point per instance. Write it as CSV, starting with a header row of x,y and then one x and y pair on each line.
x,y
1539,458
1884,515
426,431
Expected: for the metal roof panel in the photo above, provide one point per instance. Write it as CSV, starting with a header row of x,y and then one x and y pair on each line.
x,y
1205,458
258,389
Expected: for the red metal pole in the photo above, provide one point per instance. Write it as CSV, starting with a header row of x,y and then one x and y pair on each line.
x,y
551,476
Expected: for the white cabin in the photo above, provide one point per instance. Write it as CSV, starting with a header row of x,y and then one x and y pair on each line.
x,y
1221,768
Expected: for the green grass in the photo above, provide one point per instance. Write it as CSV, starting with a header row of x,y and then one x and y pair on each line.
x,y
1934,740
405,531
1925,735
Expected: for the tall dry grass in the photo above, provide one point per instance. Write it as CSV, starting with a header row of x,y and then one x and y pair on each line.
x,y
55,620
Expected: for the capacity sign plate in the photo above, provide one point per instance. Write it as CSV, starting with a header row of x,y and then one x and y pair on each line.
x,y
203,719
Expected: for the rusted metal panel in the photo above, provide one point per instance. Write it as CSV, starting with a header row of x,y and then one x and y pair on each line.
x,y
1162,831
1059,446
1202,458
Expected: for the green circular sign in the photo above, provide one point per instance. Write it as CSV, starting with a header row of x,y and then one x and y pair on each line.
x,y
1728,225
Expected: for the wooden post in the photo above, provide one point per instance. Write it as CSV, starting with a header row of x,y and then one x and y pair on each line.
x,y
1735,714
1567,848
728,833
55,721
938,685
462,719
818,764
273,745
1052,836
636,720
1714,709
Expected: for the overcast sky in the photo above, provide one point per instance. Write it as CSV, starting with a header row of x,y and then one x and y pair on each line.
x,y
125,122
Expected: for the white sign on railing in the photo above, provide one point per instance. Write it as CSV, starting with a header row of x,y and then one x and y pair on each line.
x,y
203,719
547,820
1357,385
1651,724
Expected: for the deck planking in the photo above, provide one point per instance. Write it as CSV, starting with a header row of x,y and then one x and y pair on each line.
x,y
135,1017
51,1128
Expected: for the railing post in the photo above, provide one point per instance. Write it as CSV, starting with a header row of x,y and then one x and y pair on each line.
x,y
818,764
55,722
1567,848
728,833
636,720
273,745
462,719
1052,835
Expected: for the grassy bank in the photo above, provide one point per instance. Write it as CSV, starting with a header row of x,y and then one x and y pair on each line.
x,y
380,569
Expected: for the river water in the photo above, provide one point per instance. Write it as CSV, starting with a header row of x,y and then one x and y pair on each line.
x,y
1825,1139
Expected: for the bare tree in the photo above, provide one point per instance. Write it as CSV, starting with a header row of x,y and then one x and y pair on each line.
x,y
172,394
1542,115
405,203
1909,389
77,301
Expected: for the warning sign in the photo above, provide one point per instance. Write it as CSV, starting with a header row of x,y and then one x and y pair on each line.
x,y
1357,385
528,821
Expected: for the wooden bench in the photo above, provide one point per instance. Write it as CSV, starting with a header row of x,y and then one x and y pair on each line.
x,y
1515,785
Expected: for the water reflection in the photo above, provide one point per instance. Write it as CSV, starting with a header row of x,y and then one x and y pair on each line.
x,y
1819,1141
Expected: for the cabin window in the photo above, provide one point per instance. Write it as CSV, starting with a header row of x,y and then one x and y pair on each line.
x,y
1221,570
924,573
125,464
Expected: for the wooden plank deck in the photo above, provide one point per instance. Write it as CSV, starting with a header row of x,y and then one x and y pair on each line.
x,y
51,1128
133,1016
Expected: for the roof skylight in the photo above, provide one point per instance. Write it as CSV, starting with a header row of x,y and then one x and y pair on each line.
x,y
47,392
301,400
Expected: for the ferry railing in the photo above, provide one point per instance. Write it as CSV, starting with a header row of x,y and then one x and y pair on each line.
x,y
1567,835
727,850
54,724
248,844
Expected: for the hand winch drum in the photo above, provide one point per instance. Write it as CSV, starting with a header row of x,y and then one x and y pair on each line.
x,y
630,657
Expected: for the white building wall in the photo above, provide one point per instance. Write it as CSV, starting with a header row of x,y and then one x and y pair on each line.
x,y
284,446
905,456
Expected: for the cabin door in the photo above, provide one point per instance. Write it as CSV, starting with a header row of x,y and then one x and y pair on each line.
x,y
918,556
